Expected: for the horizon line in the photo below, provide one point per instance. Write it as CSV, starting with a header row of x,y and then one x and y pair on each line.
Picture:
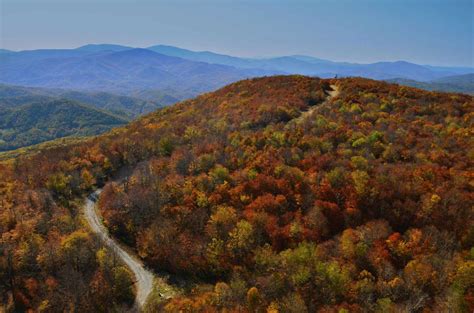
x,y
242,57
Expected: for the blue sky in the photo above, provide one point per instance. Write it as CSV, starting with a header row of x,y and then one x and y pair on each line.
x,y
438,32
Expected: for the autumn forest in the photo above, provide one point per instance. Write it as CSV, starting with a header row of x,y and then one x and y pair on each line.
x,y
274,194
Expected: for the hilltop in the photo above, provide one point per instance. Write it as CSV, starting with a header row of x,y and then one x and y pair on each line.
x,y
286,193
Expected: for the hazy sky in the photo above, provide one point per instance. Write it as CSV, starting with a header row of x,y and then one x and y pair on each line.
x,y
438,32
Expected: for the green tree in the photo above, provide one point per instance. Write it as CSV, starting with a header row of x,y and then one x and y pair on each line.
x,y
253,299
241,238
59,184
122,286
219,174
77,250
222,222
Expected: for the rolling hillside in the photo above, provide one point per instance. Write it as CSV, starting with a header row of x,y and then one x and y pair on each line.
x,y
458,83
34,115
278,194
130,107
44,120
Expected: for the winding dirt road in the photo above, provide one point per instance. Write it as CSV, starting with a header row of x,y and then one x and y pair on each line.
x,y
144,278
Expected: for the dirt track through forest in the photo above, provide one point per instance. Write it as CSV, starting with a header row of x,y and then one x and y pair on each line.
x,y
331,94
143,277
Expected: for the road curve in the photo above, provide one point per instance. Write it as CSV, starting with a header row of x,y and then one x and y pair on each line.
x,y
144,278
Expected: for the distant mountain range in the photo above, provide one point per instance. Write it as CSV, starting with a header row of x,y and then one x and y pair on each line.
x,y
179,73
307,65
118,70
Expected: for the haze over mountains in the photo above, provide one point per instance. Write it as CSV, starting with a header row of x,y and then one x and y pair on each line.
x,y
124,72
458,83
179,72
307,65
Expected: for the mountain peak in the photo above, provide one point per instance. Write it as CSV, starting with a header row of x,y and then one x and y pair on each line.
x,y
102,47
141,53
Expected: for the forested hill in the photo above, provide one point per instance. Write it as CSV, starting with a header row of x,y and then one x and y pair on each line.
x,y
128,107
460,83
273,194
48,119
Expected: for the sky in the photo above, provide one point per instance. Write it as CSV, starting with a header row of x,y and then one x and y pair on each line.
x,y
436,32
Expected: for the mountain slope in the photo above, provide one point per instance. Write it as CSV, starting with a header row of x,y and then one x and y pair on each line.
x,y
12,96
467,79
117,104
46,120
459,83
280,197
